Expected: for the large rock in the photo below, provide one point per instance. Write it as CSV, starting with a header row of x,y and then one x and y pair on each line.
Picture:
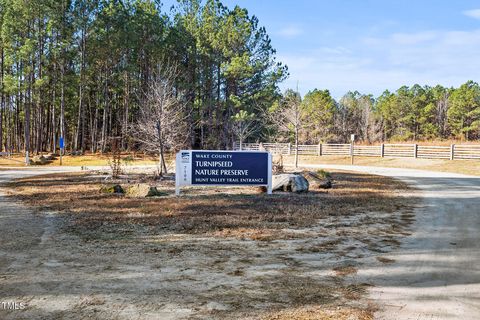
x,y
300,184
142,190
113,188
50,157
318,181
290,182
40,160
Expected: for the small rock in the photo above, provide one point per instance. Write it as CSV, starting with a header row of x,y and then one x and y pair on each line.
x,y
142,190
115,188
262,189
40,160
317,182
300,184
290,182
50,157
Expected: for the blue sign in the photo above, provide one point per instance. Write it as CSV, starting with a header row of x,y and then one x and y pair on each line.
x,y
230,168
222,168
61,143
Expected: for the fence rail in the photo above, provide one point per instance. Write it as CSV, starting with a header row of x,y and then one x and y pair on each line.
x,y
7,154
387,150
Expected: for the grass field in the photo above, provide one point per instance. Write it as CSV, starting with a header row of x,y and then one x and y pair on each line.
x,y
470,167
84,160
237,252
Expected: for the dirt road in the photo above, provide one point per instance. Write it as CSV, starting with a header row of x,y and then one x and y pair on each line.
x,y
436,272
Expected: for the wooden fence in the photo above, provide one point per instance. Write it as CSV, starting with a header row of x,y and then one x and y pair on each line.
x,y
7,154
452,152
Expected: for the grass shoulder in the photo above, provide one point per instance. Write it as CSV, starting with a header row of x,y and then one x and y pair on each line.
x,y
468,167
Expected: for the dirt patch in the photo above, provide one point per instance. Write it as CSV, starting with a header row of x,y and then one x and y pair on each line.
x,y
385,260
213,253
345,270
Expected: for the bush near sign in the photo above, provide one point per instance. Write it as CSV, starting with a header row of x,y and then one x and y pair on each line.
x,y
223,168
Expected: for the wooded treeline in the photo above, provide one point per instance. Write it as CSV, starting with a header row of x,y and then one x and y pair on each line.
x,y
81,69
410,114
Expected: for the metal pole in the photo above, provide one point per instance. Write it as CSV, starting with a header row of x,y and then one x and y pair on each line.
x,y
269,187
351,151
177,174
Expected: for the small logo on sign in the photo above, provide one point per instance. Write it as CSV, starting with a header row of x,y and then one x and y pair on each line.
x,y
185,157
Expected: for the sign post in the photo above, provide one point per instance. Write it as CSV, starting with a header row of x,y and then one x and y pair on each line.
x,y
352,146
223,168
62,146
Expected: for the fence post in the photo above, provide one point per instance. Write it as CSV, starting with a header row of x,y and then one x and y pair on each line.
x,y
452,152
351,152
415,150
289,149
382,150
319,149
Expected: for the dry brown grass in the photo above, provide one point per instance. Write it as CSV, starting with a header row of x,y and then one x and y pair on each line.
x,y
15,161
234,212
84,160
316,313
268,276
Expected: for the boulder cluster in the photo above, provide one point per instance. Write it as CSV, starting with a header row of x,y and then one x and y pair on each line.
x,y
139,190
301,182
43,159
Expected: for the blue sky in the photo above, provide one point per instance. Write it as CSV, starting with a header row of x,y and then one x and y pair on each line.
x,y
371,45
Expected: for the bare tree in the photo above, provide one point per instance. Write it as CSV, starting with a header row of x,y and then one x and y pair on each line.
x,y
288,117
162,124
365,105
115,159
243,125
441,114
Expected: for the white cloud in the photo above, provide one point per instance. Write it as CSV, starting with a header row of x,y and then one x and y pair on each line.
x,y
372,65
413,38
475,13
290,31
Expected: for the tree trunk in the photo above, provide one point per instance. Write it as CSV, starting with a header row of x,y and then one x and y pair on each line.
x,y
2,97
105,113
163,166
80,126
27,129
62,108
126,99
296,147
95,127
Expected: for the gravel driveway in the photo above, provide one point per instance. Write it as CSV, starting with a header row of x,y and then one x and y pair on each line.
x,y
436,273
